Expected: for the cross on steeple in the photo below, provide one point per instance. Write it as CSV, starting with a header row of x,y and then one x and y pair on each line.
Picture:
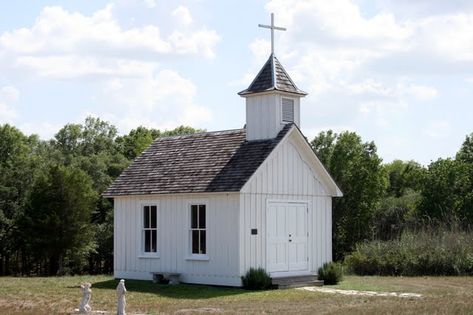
x,y
272,27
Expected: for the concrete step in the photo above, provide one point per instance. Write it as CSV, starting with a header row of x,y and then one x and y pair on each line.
x,y
316,283
296,281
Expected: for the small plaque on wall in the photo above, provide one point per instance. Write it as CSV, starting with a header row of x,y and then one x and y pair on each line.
x,y
254,231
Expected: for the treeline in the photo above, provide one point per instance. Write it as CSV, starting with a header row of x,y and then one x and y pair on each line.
x,y
54,221
52,217
384,201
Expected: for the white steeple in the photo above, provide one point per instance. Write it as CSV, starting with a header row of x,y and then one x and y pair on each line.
x,y
272,99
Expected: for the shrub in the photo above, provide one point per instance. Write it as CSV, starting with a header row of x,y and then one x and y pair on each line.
x,y
256,279
433,252
331,273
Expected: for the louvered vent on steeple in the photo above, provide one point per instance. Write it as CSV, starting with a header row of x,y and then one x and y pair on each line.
x,y
287,110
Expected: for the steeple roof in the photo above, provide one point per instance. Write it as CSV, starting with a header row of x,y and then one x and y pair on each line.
x,y
272,77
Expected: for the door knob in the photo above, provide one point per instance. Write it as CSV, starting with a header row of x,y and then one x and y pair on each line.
x,y
290,240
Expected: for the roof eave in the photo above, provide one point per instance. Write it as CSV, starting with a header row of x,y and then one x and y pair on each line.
x,y
246,92
120,195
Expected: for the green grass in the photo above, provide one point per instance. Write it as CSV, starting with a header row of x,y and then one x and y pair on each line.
x,y
54,295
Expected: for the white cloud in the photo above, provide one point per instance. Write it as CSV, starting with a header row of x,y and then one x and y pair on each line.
x,y
333,38
59,31
311,133
383,107
448,36
349,61
163,100
260,49
69,44
73,66
183,15
439,129
150,3
399,90
45,130
201,41
7,113
340,19
8,95
422,93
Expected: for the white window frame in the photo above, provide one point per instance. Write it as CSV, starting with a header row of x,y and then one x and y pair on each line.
x,y
191,255
145,254
293,110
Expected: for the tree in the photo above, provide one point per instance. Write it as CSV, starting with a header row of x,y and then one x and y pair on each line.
x,y
323,145
139,139
136,141
403,176
19,162
465,153
93,137
57,221
356,168
447,192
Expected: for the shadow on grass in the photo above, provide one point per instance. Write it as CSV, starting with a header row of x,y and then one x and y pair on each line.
x,y
181,291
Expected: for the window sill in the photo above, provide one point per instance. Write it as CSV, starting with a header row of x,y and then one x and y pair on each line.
x,y
198,257
149,256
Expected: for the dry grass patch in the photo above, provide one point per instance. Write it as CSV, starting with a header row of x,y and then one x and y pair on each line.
x,y
59,295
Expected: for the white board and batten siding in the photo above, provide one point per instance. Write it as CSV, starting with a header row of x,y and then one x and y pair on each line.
x,y
222,265
287,176
263,119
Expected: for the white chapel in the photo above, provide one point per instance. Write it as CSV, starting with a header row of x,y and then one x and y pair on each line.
x,y
207,207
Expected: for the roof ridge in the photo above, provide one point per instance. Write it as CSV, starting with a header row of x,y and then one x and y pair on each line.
x,y
227,131
287,75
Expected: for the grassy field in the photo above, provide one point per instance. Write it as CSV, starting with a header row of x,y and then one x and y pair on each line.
x,y
60,295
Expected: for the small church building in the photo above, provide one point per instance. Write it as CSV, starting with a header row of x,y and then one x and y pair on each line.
x,y
209,206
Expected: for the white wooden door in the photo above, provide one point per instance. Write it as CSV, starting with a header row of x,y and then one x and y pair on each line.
x,y
286,238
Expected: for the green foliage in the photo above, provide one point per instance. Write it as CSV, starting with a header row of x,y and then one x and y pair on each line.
x,y
395,214
256,279
139,139
136,141
356,168
447,191
403,176
331,273
465,154
93,137
57,221
428,252
19,164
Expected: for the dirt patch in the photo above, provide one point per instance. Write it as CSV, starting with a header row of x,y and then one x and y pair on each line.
x,y
362,293
200,310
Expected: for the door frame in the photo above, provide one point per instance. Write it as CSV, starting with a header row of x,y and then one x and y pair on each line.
x,y
307,203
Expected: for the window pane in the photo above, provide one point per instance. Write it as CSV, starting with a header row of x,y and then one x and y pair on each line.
x,y
146,216
153,216
202,242
195,242
153,241
193,216
147,241
202,216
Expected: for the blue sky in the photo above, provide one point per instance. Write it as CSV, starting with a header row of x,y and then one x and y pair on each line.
x,y
396,72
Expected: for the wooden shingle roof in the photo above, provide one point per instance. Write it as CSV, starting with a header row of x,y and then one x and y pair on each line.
x,y
272,77
219,161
